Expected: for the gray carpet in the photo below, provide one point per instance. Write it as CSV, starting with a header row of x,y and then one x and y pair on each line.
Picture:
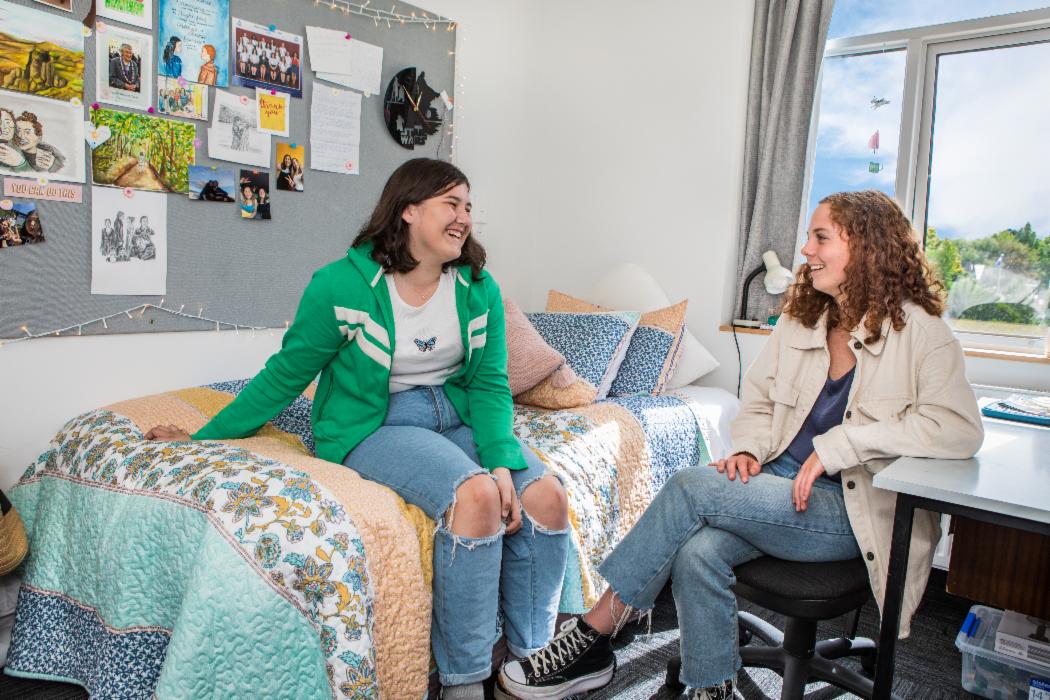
x,y
928,664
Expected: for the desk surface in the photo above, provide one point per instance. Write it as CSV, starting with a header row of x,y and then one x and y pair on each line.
x,y
1010,475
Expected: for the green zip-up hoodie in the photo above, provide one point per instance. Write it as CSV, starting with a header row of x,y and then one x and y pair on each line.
x,y
344,329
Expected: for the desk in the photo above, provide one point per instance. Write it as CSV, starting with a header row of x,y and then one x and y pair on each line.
x,y
1006,483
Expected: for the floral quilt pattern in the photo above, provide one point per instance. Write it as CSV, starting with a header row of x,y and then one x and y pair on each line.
x,y
288,528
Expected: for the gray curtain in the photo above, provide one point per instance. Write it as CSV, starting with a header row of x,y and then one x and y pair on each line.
x,y
787,47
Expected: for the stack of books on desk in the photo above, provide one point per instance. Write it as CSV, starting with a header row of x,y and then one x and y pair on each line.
x,y
1025,408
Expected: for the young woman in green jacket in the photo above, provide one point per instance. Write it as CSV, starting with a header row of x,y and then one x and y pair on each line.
x,y
407,334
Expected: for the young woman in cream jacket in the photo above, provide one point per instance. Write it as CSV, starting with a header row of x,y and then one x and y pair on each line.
x,y
860,370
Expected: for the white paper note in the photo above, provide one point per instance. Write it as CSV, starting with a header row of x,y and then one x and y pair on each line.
x,y
329,50
335,130
350,62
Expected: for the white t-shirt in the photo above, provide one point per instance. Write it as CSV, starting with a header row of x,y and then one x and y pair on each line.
x,y
428,347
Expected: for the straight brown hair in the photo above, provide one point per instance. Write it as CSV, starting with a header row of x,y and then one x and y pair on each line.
x,y
413,182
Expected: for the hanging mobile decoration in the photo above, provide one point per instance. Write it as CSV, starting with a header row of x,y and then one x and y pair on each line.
x,y
874,166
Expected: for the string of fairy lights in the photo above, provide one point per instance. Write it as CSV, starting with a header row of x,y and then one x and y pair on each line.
x,y
139,312
390,18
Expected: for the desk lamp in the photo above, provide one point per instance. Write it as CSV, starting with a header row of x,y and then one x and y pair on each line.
x,y
778,278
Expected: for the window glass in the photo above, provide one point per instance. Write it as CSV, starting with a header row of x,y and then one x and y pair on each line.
x,y
859,124
857,17
988,217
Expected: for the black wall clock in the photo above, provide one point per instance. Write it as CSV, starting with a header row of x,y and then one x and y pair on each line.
x,y
410,109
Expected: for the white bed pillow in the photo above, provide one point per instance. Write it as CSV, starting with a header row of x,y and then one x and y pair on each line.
x,y
629,287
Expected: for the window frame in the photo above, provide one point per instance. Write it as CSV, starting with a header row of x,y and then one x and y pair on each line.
x,y
923,46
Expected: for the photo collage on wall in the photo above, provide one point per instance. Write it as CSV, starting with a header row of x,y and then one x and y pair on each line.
x,y
131,138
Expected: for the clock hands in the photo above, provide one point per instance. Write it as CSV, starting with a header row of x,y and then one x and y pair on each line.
x,y
408,94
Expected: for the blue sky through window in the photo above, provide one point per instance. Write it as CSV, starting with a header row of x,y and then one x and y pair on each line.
x,y
849,119
856,17
991,142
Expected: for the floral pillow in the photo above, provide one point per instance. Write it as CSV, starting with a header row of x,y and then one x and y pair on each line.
x,y
654,349
593,344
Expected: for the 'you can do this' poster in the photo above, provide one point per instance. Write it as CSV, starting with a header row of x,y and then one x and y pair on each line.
x,y
195,41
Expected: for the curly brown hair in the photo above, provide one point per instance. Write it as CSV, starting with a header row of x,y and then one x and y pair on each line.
x,y
886,268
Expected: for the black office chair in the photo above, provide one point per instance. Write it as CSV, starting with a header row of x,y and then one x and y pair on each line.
x,y
805,594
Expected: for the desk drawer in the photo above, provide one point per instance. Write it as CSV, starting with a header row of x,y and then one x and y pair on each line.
x,y
1001,567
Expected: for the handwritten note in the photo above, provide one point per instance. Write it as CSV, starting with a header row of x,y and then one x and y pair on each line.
x,y
349,62
273,111
335,130
53,191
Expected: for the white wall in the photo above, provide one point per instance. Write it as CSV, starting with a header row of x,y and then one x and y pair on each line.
x,y
630,149
594,132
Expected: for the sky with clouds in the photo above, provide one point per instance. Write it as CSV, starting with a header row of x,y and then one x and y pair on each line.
x,y
991,145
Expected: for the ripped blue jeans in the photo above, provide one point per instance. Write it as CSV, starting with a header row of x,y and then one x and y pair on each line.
x,y
424,453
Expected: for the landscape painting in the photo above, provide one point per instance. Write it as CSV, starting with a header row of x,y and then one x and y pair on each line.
x,y
143,153
41,53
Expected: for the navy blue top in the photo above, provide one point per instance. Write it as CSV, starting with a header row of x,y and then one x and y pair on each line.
x,y
826,414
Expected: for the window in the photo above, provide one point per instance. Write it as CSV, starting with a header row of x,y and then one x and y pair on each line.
x,y
950,119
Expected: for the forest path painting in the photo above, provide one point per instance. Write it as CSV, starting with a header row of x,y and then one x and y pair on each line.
x,y
144,153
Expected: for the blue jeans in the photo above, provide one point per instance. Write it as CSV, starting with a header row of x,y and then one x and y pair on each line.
x,y
424,453
698,528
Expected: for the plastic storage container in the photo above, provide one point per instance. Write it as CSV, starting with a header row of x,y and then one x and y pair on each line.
x,y
990,674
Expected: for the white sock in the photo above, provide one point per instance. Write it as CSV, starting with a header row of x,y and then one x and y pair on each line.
x,y
470,691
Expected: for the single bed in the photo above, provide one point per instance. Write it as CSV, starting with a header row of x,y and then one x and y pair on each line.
x,y
249,567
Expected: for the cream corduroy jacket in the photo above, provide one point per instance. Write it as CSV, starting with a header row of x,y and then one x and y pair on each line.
x,y
909,397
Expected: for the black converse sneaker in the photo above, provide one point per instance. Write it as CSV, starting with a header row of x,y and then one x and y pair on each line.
x,y
576,660
722,691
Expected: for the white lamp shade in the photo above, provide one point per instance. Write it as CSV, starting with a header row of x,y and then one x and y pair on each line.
x,y
778,278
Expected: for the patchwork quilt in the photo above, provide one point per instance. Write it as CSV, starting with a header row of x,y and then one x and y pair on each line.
x,y
250,568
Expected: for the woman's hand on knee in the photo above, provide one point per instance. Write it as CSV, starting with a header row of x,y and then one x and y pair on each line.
x,y
742,463
510,509
168,433
811,470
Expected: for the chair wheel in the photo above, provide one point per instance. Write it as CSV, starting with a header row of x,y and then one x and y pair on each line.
x,y
674,670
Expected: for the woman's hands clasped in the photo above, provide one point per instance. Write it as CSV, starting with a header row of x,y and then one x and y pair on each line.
x,y
508,500
168,433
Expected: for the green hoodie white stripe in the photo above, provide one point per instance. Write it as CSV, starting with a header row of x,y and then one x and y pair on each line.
x,y
344,330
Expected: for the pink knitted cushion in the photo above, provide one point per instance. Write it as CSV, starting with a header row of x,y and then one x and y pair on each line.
x,y
530,359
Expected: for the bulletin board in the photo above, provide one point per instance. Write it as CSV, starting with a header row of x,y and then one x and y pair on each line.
x,y
243,272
